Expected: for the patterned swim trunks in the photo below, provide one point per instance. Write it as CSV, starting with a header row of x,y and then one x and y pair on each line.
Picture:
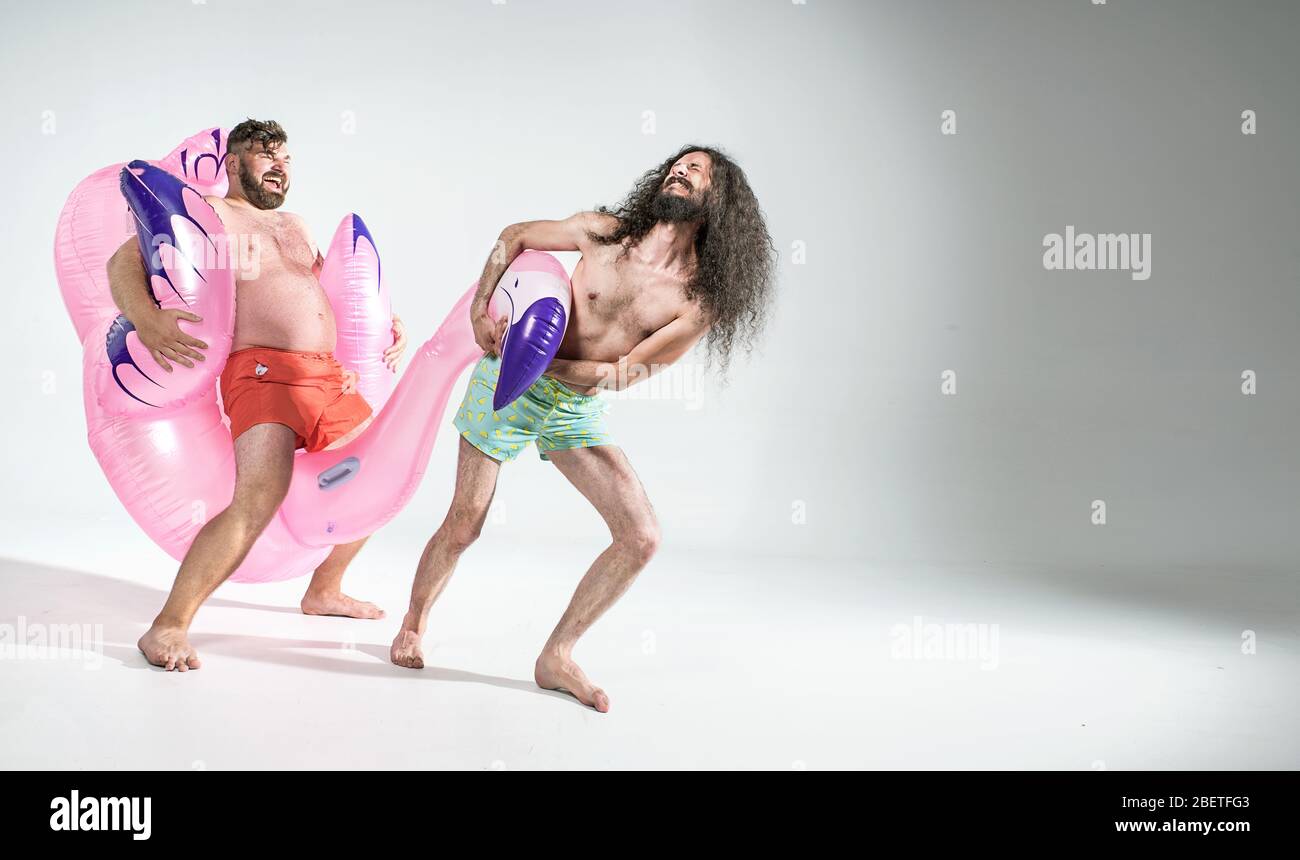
x,y
549,413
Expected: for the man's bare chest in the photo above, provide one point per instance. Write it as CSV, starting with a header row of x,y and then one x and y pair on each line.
x,y
276,242
627,297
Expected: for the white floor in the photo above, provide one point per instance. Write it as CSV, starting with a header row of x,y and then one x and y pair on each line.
x,y
710,663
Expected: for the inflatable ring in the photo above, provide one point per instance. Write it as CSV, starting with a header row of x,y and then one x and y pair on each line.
x,y
162,440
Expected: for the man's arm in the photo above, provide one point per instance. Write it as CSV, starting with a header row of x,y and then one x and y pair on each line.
x,y
128,282
156,328
571,234
647,358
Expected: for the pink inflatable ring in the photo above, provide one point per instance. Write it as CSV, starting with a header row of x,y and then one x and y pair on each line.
x,y
162,439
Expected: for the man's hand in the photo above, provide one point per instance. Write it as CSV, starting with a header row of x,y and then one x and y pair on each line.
x,y
350,379
161,334
393,354
487,331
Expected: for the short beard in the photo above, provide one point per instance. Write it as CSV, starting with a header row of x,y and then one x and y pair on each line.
x,y
676,209
258,194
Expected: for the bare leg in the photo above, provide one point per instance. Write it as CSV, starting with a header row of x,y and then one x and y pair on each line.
x,y
325,595
263,468
605,477
476,481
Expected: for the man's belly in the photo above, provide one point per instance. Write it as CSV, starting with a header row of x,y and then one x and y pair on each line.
x,y
594,343
289,312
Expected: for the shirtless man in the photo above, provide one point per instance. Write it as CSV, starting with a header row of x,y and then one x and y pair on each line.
x,y
281,387
686,256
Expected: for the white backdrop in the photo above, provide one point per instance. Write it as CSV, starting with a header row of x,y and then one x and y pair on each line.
x,y
904,252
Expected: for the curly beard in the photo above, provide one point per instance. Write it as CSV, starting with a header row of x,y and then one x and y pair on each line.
x,y
676,209
257,193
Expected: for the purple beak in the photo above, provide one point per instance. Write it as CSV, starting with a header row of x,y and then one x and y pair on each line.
x,y
528,348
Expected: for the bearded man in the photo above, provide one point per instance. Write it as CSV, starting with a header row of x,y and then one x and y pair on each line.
x,y
282,388
685,257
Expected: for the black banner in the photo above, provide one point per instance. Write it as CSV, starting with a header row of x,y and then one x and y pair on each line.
x,y
207,809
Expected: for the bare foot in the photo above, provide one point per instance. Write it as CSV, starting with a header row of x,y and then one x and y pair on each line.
x,y
169,648
338,603
553,672
406,650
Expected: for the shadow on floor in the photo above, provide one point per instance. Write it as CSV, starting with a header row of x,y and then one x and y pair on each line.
x,y
59,596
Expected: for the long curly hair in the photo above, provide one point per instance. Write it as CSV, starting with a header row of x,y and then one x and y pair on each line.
x,y
736,260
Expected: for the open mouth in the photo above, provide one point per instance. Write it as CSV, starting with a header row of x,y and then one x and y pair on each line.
x,y
276,183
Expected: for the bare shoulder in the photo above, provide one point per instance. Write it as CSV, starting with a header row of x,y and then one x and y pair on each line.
x,y
690,309
597,222
225,212
696,315
594,224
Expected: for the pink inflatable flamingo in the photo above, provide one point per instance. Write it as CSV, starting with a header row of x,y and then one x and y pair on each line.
x,y
162,439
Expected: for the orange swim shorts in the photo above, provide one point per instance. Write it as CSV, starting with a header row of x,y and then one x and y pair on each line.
x,y
301,390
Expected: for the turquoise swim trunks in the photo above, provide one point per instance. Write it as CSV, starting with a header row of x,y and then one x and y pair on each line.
x,y
549,413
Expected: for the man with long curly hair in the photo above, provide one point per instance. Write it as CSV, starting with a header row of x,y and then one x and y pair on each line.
x,y
686,256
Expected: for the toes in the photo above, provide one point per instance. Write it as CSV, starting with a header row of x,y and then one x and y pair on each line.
x,y
406,651
169,658
406,660
568,678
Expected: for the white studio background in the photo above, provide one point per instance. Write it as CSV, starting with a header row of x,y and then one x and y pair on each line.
x,y
905,252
